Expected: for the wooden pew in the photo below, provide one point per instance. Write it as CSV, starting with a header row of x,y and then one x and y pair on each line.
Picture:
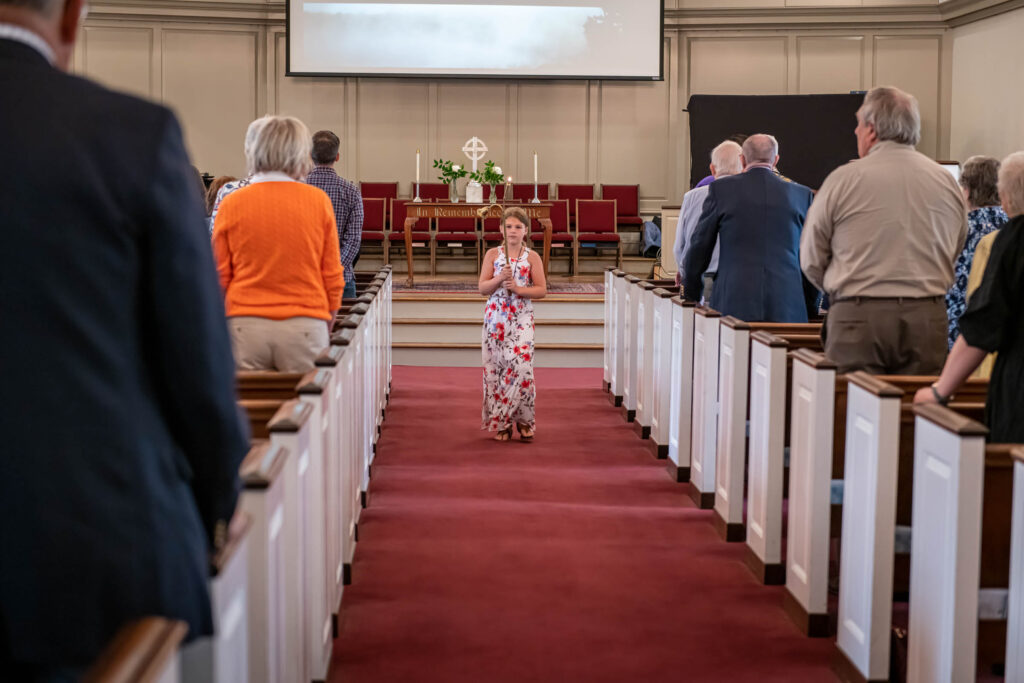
x,y
961,485
618,339
734,377
143,651
681,395
704,423
263,500
630,301
290,428
314,389
661,371
224,656
818,444
645,350
771,369
609,332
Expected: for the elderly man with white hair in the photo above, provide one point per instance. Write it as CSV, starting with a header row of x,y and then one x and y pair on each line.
x,y
725,161
881,240
994,320
757,217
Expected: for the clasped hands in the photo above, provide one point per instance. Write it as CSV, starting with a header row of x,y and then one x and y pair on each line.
x,y
508,280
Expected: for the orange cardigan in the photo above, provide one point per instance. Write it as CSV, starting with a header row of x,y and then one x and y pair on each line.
x,y
276,246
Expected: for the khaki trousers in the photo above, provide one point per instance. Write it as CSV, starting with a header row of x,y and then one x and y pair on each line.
x,y
284,345
887,336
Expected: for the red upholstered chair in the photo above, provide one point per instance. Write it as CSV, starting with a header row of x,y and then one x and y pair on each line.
x,y
374,229
572,193
385,191
627,199
452,232
596,227
523,192
561,235
432,192
420,231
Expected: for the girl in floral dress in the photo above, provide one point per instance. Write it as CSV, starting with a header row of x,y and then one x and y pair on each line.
x,y
512,281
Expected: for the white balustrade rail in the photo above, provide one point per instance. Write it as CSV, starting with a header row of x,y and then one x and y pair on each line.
x,y
767,456
681,395
869,524
704,434
731,441
812,408
661,371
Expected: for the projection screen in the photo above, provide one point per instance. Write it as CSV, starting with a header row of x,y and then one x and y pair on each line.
x,y
606,39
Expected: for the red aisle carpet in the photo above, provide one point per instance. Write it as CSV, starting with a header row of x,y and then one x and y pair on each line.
x,y
574,558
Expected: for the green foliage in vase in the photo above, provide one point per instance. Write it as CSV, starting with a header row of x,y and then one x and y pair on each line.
x,y
490,175
449,171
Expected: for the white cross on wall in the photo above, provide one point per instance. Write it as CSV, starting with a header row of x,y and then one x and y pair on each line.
x,y
475,150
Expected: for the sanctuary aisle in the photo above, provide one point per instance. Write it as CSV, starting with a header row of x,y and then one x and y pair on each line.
x,y
574,558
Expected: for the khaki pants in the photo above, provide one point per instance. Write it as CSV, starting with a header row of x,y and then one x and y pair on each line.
x,y
284,345
887,336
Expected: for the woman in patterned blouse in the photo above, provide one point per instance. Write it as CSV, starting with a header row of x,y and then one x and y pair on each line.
x,y
984,215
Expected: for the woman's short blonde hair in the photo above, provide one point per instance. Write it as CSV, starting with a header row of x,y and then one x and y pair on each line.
x,y
279,143
516,212
1011,183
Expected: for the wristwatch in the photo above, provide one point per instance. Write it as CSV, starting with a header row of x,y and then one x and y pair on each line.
x,y
939,398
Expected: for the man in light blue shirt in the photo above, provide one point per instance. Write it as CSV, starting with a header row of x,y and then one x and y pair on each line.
x,y
725,161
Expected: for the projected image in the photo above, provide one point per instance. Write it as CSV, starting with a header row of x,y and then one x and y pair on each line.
x,y
596,38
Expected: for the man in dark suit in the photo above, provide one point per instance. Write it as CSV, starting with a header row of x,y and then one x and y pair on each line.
x,y
119,432
757,217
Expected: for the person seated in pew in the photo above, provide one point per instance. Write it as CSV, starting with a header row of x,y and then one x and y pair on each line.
x,y
978,182
757,217
211,196
276,245
994,321
121,438
725,161
880,241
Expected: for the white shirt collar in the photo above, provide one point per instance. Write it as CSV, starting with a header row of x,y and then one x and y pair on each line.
x,y
271,177
22,35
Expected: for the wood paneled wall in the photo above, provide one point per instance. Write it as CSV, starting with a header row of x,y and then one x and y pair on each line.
x,y
219,74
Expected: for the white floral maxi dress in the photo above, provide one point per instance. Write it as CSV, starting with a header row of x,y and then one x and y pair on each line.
x,y
509,390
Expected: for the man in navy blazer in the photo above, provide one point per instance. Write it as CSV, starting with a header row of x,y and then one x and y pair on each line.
x,y
119,431
757,217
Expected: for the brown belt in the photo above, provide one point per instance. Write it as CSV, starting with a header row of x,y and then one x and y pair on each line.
x,y
898,299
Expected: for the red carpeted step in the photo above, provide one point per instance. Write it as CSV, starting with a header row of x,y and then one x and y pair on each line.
x,y
572,558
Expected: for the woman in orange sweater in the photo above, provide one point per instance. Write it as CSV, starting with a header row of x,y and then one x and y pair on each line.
x,y
276,245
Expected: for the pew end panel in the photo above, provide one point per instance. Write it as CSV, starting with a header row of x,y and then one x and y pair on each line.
x,y
704,435
618,359
644,358
631,294
661,372
1015,599
681,396
731,441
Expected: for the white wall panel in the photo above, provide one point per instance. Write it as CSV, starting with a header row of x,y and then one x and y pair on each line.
x,y
829,64
912,64
119,57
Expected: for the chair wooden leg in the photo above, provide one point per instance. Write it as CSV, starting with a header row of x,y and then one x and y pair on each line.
x,y
433,257
618,256
575,258
386,246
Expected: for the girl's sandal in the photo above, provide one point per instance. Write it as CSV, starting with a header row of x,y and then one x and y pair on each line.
x,y
525,433
504,435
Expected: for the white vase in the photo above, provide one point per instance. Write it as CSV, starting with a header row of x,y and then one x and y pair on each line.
x,y
474,193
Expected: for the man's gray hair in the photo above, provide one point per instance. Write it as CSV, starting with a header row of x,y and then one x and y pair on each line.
x,y
279,143
1011,183
726,159
760,148
46,7
894,114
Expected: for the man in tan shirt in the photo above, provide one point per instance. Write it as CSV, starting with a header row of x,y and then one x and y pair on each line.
x,y
880,239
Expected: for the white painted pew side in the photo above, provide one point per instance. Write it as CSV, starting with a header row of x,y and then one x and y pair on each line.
x,y
731,440
331,361
681,396
630,335
291,428
361,428
609,334
704,434
644,358
224,656
661,372
869,525
767,457
143,651
348,471
1015,601
812,407
263,500
618,375
315,390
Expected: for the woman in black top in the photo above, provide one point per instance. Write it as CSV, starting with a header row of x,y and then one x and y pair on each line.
x,y
994,321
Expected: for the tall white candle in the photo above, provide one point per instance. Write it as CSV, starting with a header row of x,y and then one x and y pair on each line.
x,y
535,167
417,167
